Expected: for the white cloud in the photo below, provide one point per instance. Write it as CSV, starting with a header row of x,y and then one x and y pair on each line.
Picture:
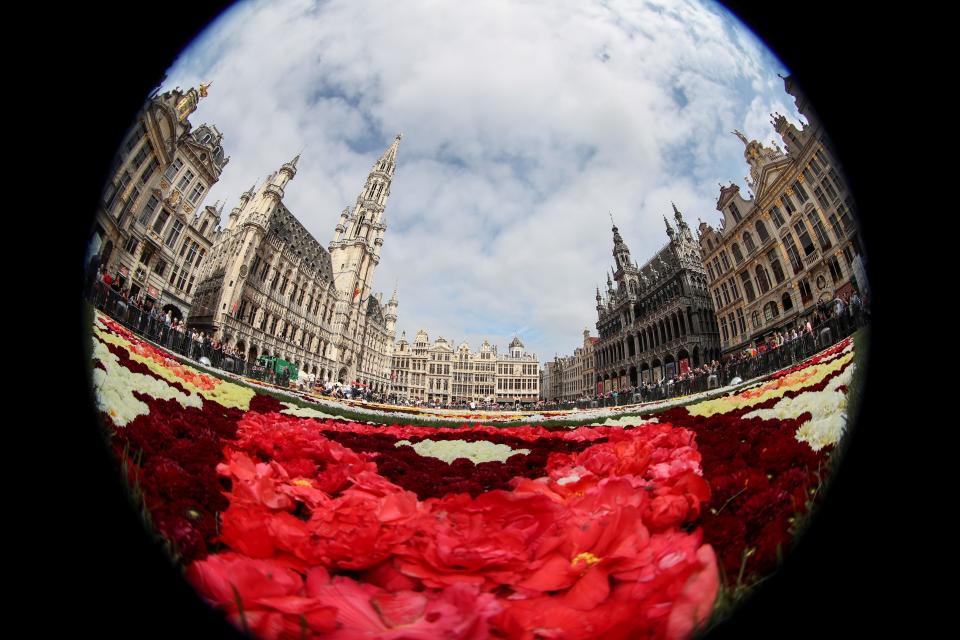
x,y
524,124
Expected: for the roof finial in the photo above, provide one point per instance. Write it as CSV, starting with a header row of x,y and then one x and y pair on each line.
x,y
610,213
742,137
204,88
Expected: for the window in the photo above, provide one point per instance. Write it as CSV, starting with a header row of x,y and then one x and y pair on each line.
x,y
723,327
173,169
741,321
131,245
173,274
733,325
822,238
134,194
148,210
815,166
806,295
735,211
725,261
193,251
755,317
748,241
185,180
845,217
146,254
770,311
134,138
830,190
203,227
763,280
710,272
775,266
734,288
160,268
762,231
148,171
848,256
182,279
800,191
788,204
786,301
777,216
737,255
161,221
822,157
195,193
184,246
822,199
199,258
793,254
835,179
836,272
190,283
804,237
140,156
747,285
807,175
726,293
174,233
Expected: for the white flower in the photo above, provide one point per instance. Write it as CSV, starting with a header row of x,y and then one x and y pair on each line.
x,y
450,450
827,409
114,387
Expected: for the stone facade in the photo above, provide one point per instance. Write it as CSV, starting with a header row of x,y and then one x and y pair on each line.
x,y
659,320
570,377
270,287
439,373
793,243
151,226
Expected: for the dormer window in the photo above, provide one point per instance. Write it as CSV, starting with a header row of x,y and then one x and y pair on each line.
x,y
734,211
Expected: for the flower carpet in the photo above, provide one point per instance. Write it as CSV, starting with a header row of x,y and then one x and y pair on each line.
x,y
295,523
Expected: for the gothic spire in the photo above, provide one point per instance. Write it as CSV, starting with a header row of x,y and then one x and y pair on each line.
x,y
389,157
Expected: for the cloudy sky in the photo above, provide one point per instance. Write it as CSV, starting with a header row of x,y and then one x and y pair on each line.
x,y
524,123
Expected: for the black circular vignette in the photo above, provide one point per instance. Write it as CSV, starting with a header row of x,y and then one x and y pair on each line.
x,y
120,584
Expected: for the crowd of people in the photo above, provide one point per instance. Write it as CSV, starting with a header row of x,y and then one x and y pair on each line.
x,y
830,322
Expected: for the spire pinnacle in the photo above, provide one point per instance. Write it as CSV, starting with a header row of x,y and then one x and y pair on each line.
x,y
667,223
742,137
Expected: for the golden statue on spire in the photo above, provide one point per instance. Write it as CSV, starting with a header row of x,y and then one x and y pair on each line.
x,y
203,89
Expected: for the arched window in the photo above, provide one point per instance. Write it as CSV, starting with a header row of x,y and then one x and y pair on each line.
x,y
763,279
762,231
755,317
770,311
737,255
748,241
786,301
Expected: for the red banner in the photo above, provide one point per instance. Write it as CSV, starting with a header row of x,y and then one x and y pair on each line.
x,y
124,271
152,291
685,366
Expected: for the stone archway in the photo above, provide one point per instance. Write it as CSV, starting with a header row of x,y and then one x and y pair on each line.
x,y
342,376
656,371
175,312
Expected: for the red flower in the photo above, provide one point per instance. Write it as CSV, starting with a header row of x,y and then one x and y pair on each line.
x,y
270,595
460,611
488,541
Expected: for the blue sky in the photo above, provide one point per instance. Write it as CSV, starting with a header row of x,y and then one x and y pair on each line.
x,y
524,124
